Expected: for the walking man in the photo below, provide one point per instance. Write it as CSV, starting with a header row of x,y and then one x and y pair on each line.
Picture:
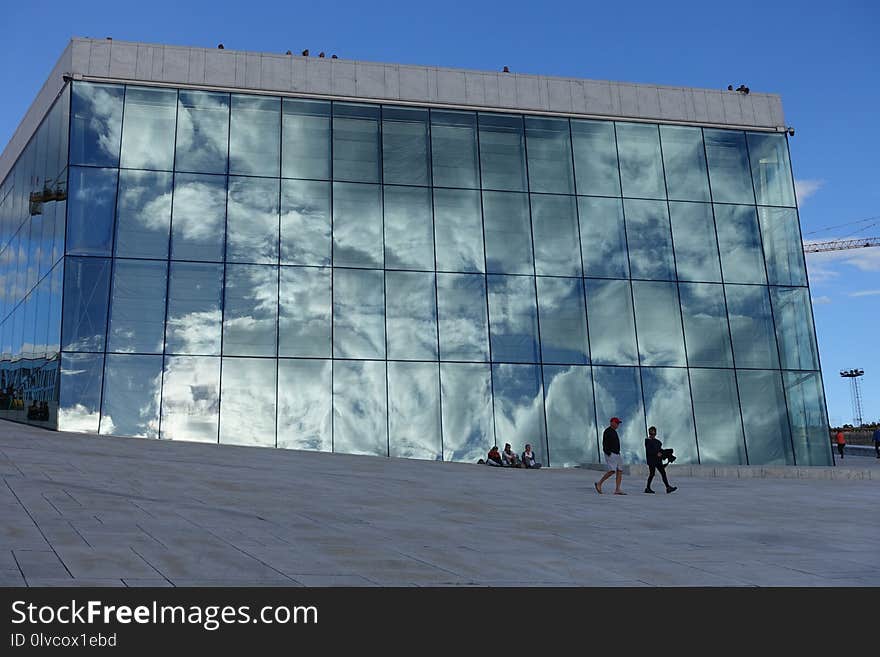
x,y
877,441
611,449
654,456
841,443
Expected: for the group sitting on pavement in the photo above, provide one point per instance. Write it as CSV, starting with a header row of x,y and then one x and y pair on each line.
x,y
509,459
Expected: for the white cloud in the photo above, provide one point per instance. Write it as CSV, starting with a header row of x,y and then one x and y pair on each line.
x,y
819,301
864,293
804,189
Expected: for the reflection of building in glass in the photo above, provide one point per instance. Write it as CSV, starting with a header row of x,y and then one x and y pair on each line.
x,y
405,261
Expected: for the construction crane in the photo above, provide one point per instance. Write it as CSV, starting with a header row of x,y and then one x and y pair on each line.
x,y
840,245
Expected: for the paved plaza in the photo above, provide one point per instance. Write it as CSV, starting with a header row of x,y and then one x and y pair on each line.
x,y
78,510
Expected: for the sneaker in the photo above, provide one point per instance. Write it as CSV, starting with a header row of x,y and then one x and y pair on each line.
x,y
648,490
672,489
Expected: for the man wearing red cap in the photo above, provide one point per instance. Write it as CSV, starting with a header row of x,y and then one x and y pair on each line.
x,y
611,448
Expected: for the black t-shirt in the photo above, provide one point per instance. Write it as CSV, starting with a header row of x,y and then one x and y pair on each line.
x,y
610,442
652,451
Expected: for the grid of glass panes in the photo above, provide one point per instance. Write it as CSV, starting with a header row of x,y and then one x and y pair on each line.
x,y
33,199
426,283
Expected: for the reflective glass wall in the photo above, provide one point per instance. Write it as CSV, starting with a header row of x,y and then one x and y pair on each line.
x,y
33,201
427,283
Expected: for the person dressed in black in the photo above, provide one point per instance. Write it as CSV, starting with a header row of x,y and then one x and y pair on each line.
x,y
655,460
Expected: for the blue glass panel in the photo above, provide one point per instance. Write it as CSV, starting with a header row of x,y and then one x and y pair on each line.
x,y
357,225
54,336
595,158
304,404
808,421
508,233
356,143
783,250
198,217
305,151
742,260
96,124
409,228
252,221
191,398
794,328
555,230
454,149
563,320
696,246
462,312
658,323
137,306
411,315
202,132
519,408
358,313
649,240
641,165
143,214
255,135
466,401
305,222
716,411
194,308
458,230
610,319
502,152
305,303
771,170
80,392
360,423
513,319
247,401
91,211
729,166
768,437
751,326
603,237
668,408
548,142
250,311
571,417
131,396
684,161
706,331
414,410
148,128
405,155
86,290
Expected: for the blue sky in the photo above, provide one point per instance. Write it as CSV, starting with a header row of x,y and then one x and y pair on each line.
x,y
821,57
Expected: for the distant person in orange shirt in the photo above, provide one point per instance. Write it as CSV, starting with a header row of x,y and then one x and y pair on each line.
x,y
841,443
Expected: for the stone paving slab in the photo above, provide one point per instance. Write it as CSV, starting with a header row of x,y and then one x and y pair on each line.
x,y
79,510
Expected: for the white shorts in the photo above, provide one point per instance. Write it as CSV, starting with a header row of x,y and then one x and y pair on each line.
x,y
613,462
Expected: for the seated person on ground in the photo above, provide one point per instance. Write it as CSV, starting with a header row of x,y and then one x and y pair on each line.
x,y
494,457
528,458
508,458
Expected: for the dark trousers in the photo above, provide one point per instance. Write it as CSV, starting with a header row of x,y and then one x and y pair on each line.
x,y
840,447
662,469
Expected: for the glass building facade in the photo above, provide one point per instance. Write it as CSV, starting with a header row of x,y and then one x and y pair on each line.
x,y
406,281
